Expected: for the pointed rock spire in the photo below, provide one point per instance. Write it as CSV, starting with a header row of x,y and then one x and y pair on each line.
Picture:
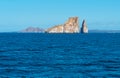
x,y
84,28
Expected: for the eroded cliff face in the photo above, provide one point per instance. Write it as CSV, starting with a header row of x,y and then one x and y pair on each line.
x,y
71,26
84,28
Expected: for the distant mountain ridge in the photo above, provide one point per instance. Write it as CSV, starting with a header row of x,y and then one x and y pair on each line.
x,y
32,30
104,31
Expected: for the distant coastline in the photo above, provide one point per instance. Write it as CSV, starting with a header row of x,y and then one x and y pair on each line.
x,y
70,26
104,31
90,31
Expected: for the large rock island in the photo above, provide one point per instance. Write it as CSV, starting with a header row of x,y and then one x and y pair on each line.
x,y
71,26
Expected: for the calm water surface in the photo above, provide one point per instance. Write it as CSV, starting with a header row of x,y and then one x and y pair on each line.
x,y
59,55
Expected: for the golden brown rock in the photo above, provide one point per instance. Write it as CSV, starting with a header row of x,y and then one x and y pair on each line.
x,y
71,26
55,29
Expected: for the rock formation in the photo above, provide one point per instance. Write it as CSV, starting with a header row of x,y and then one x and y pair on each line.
x,y
84,28
55,29
32,30
71,26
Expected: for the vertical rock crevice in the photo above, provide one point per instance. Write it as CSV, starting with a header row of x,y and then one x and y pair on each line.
x,y
84,28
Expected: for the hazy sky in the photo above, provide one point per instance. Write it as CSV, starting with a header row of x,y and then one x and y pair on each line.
x,y
19,14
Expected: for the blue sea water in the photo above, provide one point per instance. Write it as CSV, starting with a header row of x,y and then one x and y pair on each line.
x,y
59,55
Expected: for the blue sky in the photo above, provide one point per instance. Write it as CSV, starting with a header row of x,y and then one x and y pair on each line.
x,y
19,14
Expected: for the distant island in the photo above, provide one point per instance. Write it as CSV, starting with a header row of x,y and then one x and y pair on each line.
x,y
71,26
33,30
104,31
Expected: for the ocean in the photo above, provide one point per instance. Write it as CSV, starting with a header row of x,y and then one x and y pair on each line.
x,y
36,55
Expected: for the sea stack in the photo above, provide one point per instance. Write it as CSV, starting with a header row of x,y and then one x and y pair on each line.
x,y
84,28
71,26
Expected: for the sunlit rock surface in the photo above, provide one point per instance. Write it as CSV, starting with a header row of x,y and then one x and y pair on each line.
x,y
55,29
71,26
